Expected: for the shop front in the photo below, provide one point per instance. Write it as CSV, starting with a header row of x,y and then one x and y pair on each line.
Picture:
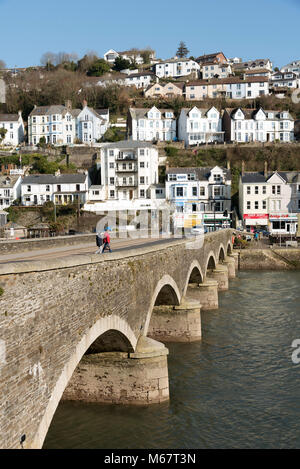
x,y
256,221
284,224
216,221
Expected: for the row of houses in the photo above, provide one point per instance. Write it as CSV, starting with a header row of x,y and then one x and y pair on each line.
x,y
197,126
129,180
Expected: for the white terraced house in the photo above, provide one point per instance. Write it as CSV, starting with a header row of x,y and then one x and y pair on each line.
x,y
62,125
130,55
10,190
248,125
91,124
215,70
284,80
54,124
61,189
200,196
151,124
270,201
14,126
197,125
176,68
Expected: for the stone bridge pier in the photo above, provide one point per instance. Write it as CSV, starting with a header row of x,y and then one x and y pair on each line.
x,y
93,327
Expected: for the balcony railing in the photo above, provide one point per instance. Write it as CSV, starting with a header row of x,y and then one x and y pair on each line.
x,y
127,183
126,156
127,169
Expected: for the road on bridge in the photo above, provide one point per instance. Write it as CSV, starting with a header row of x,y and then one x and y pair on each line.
x,y
117,245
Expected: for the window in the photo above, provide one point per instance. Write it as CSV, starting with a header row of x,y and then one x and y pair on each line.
x,y
28,188
264,204
202,191
111,165
194,191
264,189
142,193
111,193
111,181
47,188
142,152
78,187
179,191
256,190
248,205
58,188
256,204
142,180
111,153
248,190
142,164
191,177
172,177
278,190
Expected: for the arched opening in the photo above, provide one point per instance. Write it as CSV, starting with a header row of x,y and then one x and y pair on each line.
x,y
211,265
167,296
196,276
110,341
221,255
229,249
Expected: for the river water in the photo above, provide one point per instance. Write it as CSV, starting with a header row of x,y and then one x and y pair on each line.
x,y
237,388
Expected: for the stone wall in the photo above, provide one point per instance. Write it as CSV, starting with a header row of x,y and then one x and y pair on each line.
x,y
26,245
269,259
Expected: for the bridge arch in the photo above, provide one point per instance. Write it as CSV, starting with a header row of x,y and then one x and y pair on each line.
x,y
194,275
221,253
229,248
102,327
166,292
211,262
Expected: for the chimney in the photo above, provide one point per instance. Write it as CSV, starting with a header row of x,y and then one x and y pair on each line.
x,y
243,168
68,104
84,103
167,166
266,169
228,164
57,173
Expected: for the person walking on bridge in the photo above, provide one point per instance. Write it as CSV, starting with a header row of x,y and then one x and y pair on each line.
x,y
106,242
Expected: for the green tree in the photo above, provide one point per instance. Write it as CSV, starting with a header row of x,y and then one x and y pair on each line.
x,y
182,50
98,68
2,134
121,64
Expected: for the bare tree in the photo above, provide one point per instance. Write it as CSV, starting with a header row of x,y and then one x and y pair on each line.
x,y
2,64
48,58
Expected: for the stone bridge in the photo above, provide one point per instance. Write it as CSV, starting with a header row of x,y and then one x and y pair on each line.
x,y
90,327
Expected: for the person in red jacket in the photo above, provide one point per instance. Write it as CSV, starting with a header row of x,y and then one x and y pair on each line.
x,y
106,242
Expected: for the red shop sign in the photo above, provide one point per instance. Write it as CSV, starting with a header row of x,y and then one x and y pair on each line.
x,y
256,215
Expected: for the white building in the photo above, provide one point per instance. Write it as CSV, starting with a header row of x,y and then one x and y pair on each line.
x,y
62,125
151,124
200,126
133,56
249,88
215,70
140,79
10,190
61,189
270,201
248,125
285,80
176,68
55,124
200,195
129,177
14,126
253,64
91,124
293,67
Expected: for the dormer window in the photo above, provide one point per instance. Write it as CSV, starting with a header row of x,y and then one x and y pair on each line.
x,y
217,178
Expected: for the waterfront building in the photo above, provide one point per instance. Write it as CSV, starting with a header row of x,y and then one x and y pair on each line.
x,y
270,201
14,126
61,189
10,189
196,126
151,124
200,196
91,124
259,125
129,177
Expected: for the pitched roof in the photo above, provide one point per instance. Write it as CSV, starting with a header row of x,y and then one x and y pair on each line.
x,y
251,113
201,173
141,113
9,117
228,80
51,109
52,179
259,176
8,181
128,144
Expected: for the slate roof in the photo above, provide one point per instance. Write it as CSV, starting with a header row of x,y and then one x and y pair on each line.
x,y
202,174
128,144
9,117
52,179
259,177
141,113
53,109
12,181
250,113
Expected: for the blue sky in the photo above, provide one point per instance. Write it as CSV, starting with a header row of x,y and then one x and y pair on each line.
x,y
253,29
